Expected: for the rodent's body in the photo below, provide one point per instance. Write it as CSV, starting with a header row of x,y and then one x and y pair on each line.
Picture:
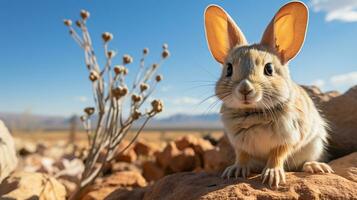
x,y
297,124
271,122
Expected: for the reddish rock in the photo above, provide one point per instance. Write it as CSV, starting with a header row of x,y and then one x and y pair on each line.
x,y
198,144
164,158
189,185
123,166
102,188
185,161
318,96
125,194
145,148
346,166
26,185
151,171
69,185
128,155
341,113
214,161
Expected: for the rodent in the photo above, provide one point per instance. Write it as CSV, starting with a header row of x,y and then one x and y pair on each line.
x,y
271,122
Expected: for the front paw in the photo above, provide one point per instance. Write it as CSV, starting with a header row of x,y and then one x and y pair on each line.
x,y
317,167
236,170
273,176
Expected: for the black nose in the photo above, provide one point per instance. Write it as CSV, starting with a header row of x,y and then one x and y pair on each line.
x,y
245,91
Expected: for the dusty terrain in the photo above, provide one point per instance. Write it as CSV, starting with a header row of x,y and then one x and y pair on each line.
x,y
179,164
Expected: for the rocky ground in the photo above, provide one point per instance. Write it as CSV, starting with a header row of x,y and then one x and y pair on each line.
x,y
186,168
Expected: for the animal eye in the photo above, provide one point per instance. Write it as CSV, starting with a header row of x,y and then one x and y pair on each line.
x,y
229,70
268,69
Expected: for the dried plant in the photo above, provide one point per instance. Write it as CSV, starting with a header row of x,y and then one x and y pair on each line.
x,y
111,95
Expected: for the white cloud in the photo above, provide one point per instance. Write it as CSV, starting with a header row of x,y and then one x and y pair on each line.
x,y
344,79
339,10
186,101
165,88
319,83
81,99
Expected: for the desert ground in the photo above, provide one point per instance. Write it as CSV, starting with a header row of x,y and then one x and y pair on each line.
x,y
153,136
173,164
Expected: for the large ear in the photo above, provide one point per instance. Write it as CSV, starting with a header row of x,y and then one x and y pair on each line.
x,y
221,32
286,32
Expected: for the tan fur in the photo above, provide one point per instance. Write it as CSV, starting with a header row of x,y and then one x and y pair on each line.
x,y
276,125
277,156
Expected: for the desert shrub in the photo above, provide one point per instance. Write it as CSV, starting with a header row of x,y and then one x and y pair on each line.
x,y
117,104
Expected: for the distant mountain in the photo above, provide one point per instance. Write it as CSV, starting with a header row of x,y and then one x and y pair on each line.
x,y
26,121
187,121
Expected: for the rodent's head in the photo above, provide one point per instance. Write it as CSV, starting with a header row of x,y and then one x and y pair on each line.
x,y
255,76
252,77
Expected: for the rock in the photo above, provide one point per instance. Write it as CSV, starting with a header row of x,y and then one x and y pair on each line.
x,y
128,156
164,158
318,96
198,144
25,148
189,185
145,148
103,188
214,161
32,163
124,194
152,171
217,159
69,185
125,179
8,159
185,161
341,113
346,166
211,139
123,166
25,185
71,170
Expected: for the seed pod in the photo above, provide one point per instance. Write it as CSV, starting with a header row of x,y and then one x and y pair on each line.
x,y
85,14
119,92
111,54
158,78
124,91
116,92
136,114
165,53
79,24
93,76
146,51
83,118
106,36
135,98
144,87
117,69
89,111
165,46
157,106
125,71
154,66
67,22
127,59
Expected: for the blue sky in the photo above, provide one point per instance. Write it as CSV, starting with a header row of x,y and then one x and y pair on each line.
x,y
42,69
